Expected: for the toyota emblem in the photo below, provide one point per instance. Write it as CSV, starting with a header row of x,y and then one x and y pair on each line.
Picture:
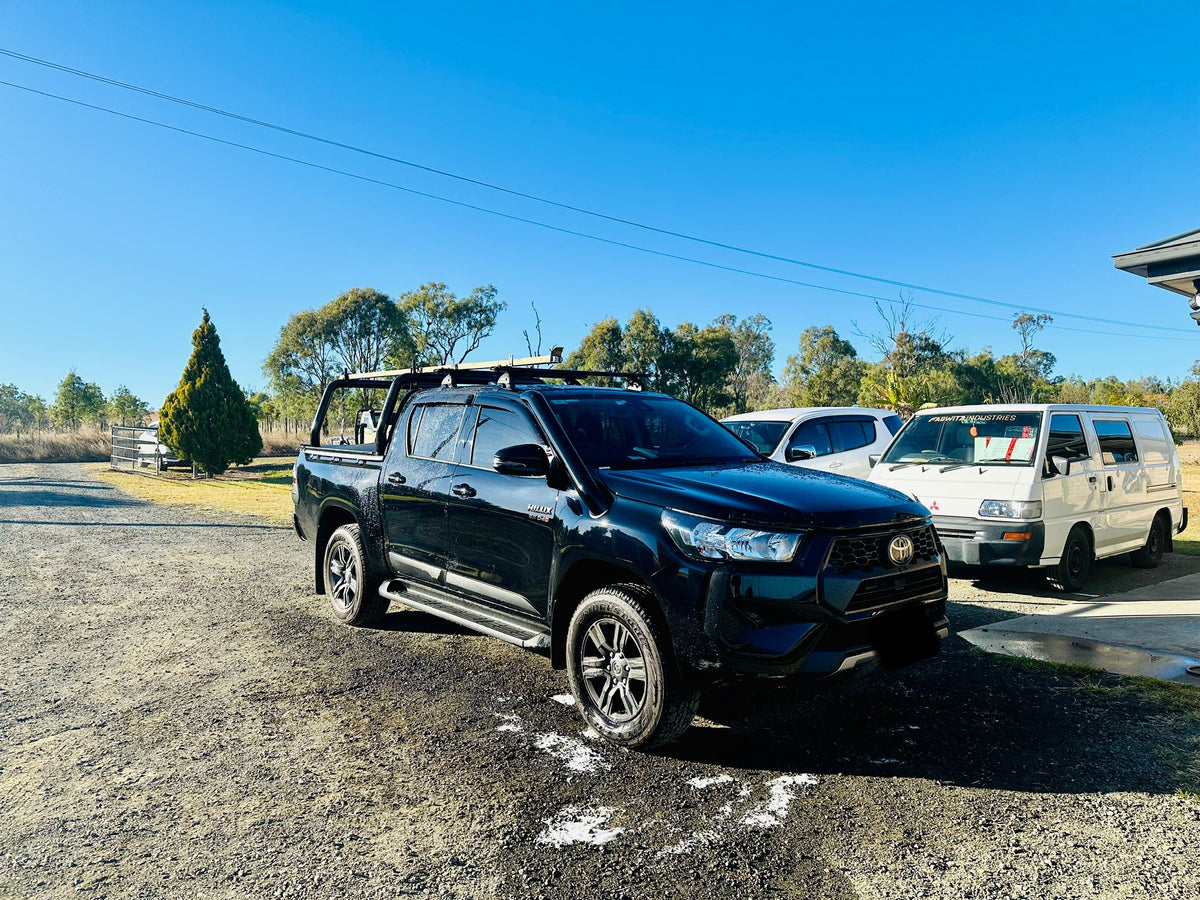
x,y
900,550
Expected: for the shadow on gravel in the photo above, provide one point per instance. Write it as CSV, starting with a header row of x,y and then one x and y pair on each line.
x,y
415,622
963,717
144,524
60,498
1109,576
74,485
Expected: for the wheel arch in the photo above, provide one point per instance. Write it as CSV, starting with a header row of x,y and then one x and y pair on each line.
x,y
581,579
332,518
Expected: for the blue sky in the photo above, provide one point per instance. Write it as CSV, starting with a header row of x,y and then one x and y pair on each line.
x,y
1004,151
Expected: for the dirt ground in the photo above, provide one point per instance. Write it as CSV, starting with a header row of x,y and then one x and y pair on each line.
x,y
180,717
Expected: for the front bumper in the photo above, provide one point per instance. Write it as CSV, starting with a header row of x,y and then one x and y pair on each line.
x,y
977,542
843,606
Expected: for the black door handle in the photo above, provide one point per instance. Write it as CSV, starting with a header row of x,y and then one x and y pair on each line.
x,y
396,478
1110,482
463,490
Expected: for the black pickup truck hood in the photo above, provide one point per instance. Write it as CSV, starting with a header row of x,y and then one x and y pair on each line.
x,y
765,493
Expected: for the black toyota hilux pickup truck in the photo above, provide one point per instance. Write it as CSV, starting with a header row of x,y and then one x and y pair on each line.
x,y
627,534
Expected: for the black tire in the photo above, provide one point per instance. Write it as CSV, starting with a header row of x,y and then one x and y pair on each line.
x,y
622,679
1149,556
1075,564
353,594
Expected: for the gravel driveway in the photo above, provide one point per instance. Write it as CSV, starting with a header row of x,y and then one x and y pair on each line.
x,y
179,717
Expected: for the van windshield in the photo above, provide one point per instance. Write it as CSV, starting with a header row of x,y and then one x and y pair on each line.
x,y
999,438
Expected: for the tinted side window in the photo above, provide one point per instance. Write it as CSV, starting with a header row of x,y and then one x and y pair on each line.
x,y
499,428
850,435
1116,442
813,434
1066,437
893,423
433,430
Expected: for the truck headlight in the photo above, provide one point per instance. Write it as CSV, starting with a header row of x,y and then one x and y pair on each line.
x,y
706,539
1010,509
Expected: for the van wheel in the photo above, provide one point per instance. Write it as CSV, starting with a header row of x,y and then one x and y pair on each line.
x,y
1149,556
617,664
353,596
1075,564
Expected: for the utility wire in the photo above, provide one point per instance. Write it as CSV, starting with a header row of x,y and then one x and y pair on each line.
x,y
538,199
557,228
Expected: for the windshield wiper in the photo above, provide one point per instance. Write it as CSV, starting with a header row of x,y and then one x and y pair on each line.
x,y
925,462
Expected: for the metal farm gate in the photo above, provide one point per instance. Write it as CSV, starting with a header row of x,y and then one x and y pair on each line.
x,y
137,447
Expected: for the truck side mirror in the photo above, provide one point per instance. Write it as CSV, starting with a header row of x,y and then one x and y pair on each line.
x,y
800,452
1061,465
521,459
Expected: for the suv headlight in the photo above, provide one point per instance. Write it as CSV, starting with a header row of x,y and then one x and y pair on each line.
x,y
1011,509
706,539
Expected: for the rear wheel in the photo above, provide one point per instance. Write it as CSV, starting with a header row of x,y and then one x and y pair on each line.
x,y
623,682
1075,564
1149,556
353,595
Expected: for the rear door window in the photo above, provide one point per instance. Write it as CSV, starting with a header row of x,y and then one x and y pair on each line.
x,y
850,434
433,430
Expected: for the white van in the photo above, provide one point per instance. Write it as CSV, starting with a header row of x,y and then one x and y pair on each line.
x,y
840,439
1048,485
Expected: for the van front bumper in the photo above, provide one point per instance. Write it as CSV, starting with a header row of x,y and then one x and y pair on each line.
x,y
979,543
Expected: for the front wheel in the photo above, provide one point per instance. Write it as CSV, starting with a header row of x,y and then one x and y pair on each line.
x,y
1075,564
353,595
1149,556
617,664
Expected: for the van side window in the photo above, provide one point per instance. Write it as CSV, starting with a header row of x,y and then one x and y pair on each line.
x,y
1116,442
814,434
1066,437
433,430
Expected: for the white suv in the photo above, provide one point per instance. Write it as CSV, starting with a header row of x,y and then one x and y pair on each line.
x,y
837,439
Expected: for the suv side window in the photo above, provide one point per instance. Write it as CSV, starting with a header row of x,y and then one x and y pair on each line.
x,y
433,430
893,423
497,428
1116,442
1066,437
850,434
814,434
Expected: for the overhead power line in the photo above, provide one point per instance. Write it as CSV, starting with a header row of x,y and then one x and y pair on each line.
x,y
544,200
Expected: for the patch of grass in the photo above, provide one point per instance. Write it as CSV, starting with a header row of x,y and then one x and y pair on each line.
x,y
261,489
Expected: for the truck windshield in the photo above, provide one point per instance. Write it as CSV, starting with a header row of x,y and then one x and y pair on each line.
x,y
625,432
1000,438
762,436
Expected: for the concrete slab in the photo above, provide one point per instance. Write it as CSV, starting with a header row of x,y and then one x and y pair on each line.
x,y
1152,631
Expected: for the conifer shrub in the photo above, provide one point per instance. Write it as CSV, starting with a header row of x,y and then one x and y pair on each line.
x,y
207,419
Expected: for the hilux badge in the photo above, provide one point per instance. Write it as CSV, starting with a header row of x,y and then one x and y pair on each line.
x,y
900,550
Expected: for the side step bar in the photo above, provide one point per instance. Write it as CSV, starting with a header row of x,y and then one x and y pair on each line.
x,y
486,620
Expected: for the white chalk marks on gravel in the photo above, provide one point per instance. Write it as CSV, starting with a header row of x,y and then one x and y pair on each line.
x,y
728,806
579,825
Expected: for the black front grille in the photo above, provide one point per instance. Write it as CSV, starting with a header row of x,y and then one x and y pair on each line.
x,y
896,588
869,552
962,534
